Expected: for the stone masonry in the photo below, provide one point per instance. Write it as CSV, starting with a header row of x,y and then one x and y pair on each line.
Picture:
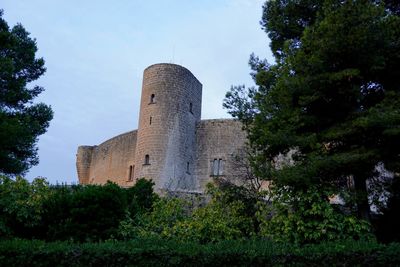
x,y
172,146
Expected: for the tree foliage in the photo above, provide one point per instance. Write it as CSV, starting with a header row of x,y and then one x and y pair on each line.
x,y
21,121
332,96
85,213
173,218
21,205
307,217
61,212
217,221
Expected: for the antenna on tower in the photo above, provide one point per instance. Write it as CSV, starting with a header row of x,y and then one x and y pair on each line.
x,y
173,54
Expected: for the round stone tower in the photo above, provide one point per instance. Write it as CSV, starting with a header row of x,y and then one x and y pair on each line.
x,y
170,107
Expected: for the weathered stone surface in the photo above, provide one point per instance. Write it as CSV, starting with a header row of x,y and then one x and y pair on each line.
x,y
108,161
181,148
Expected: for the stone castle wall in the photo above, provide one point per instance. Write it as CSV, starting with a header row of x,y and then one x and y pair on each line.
x,y
221,139
215,139
83,163
111,160
172,146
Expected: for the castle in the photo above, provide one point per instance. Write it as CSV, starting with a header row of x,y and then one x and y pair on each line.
x,y
172,145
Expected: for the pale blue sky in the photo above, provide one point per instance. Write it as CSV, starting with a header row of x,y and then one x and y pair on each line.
x,y
96,51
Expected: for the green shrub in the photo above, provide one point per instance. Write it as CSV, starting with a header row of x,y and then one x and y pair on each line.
x,y
79,213
173,218
153,252
165,214
214,222
95,212
307,217
21,206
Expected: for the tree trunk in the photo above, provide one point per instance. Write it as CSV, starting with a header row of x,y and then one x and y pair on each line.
x,y
363,208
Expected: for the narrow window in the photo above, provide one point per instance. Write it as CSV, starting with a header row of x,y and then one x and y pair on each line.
x,y
131,172
187,167
151,118
152,98
191,108
146,160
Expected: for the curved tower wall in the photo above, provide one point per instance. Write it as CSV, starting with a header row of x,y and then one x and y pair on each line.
x,y
170,107
83,163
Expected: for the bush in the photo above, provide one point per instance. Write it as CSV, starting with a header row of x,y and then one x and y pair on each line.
x,y
82,213
94,212
222,218
150,252
214,222
79,213
165,214
307,217
21,206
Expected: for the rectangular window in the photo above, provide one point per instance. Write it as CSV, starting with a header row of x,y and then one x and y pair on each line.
x,y
147,160
217,167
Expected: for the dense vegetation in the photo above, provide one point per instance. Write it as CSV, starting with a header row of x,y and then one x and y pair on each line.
x,y
97,213
78,213
135,226
155,252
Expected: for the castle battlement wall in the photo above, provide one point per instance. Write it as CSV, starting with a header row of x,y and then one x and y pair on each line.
x,y
172,146
111,160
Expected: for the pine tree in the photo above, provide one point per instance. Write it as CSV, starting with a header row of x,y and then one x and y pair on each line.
x,y
21,121
333,95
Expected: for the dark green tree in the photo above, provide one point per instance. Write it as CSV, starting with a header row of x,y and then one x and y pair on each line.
x,y
21,121
286,20
84,213
333,95
141,197
93,212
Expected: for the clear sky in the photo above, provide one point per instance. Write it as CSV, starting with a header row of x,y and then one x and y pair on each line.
x,y
96,51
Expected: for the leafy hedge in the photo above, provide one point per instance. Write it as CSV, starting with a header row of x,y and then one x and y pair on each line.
x,y
38,210
150,252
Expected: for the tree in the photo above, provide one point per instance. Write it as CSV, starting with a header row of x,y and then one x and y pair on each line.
x,y
21,121
141,197
286,20
333,95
